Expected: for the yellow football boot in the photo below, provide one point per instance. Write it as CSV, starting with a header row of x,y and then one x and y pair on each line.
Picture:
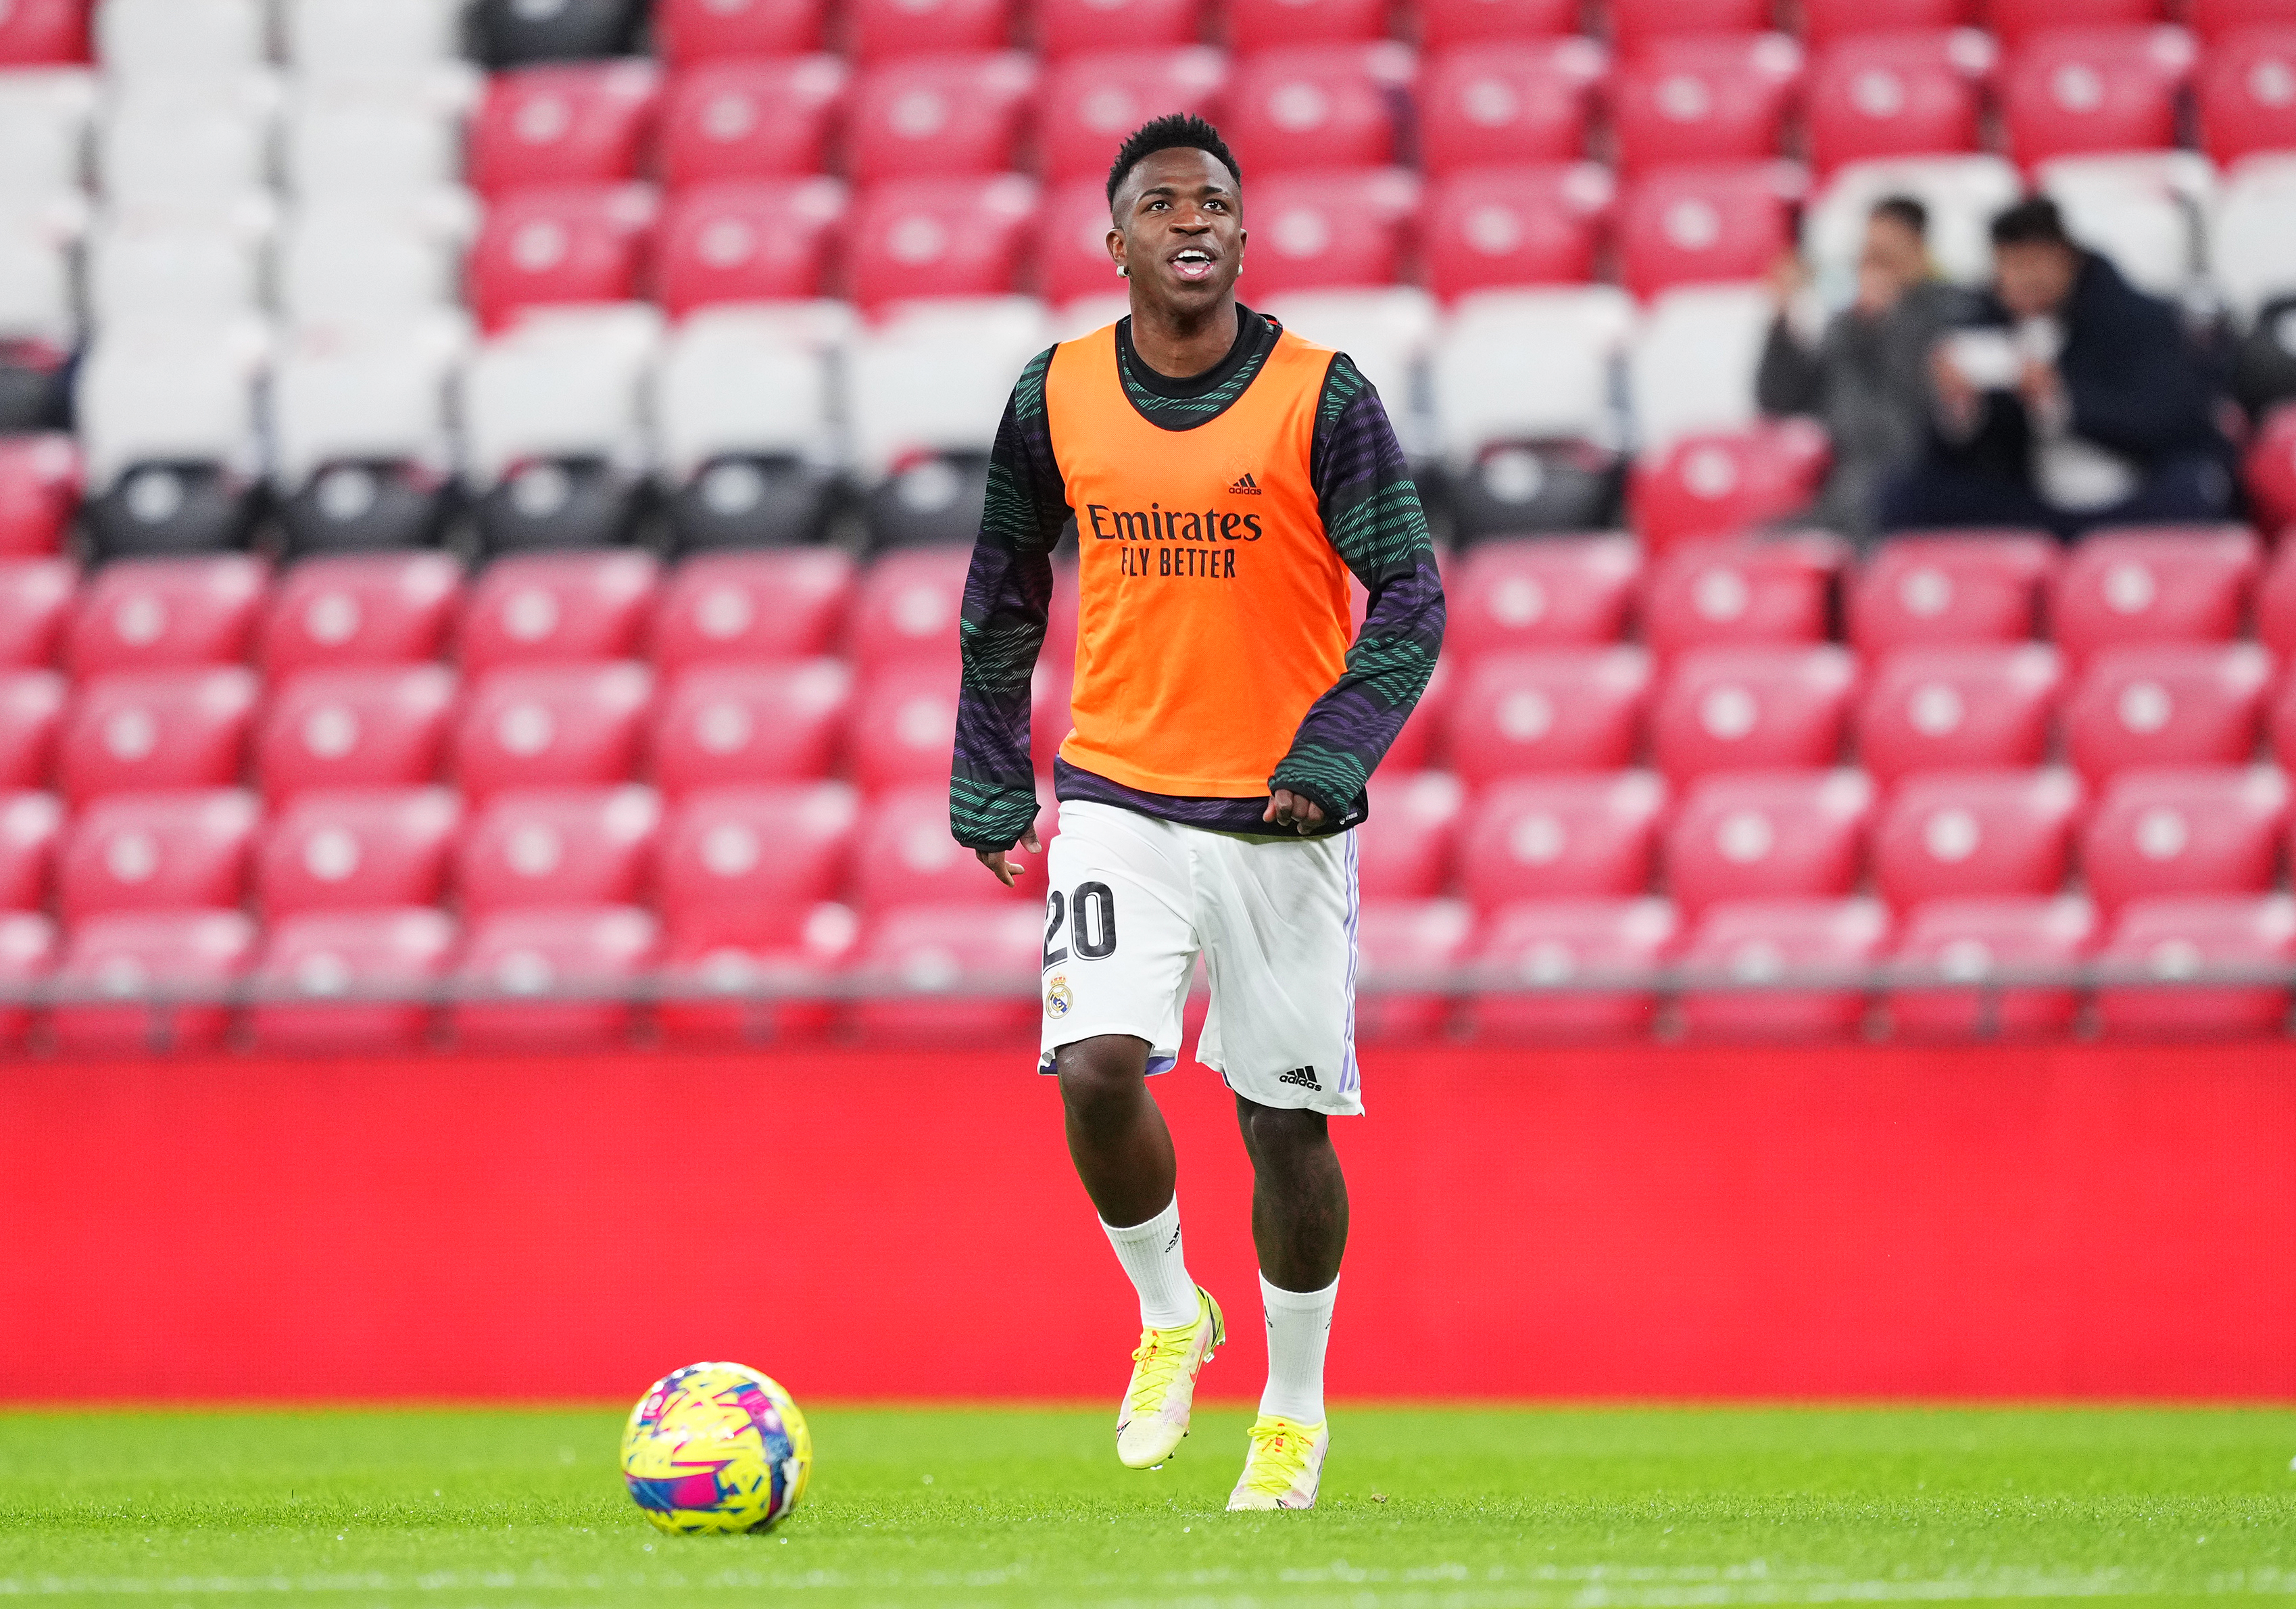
x,y
1285,1466
1155,1412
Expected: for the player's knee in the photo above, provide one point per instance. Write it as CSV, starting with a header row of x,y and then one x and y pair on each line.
x,y
1282,1136
1101,1078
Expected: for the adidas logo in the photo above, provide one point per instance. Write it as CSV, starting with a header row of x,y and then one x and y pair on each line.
x,y
1305,1077
1244,487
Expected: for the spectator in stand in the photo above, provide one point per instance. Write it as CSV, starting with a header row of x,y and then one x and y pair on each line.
x,y
1865,374
2071,400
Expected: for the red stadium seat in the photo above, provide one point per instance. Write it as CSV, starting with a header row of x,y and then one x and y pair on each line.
x,y
940,115
1959,835
721,725
1748,942
574,725
904,726
2212,831
905,856
1567,837
2269,474
745,869
1330,230
1958,709
1710,98
1760,708
1702,224
43,33
1540,592
1769,834
2172,704
747,241
1879,95
158,852
694,31
1556,709
598,949
2019,20
764,118
752,608
1635,23
2071,91
1970,941
358,849
31,721
2124,587
1072,257
1718,483
1316,106
883,30
135,956
28,955
40,484
566,123
1407,938
363,608
1971,588
2215,21
1444,24
1721,594
31,829
36,604
1508,105
2171,940
558,609
947,958
380,727
1255,25
2248,94
1404,845
726,993
1069,28
907,609
1090,103
139,731
1422,740
156,614
1499,227
1827,21
924,237
529,849
309,963
557,245
1556,943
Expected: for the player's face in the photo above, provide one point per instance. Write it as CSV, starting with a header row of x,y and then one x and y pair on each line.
x,y
1179,229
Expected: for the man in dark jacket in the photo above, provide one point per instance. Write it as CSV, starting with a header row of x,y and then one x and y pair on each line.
x,y
2074,401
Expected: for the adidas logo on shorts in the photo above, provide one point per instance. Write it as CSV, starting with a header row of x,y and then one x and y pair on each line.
x,y
1305,1077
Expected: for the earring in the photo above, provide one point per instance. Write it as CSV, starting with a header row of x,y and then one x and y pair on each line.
x,y
1123,272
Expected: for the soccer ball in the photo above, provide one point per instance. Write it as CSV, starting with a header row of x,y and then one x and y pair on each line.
x,y
715,1448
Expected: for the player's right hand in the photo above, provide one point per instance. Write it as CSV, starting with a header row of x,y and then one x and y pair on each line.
x,y
1008,870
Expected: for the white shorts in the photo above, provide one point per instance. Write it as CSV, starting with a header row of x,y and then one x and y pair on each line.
x,y
1135,899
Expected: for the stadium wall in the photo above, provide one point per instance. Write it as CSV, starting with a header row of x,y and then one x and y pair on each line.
x,y
2066,1220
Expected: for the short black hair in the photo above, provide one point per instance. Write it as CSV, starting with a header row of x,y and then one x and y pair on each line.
x,y
1904,210
1174,131
2032,222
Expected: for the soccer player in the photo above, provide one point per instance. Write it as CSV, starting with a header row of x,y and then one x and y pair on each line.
x,y
1225,477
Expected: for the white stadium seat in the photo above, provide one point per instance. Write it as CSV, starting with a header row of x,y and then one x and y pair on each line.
x,y
2252,237
1961,193
370,38
934,377
180,264
748,380
1692,366
38,234
563,384
344,139
1565,343
1387,333
384,258
1085,314
177,392
175,142
45,115
2144,209
366,391
180,39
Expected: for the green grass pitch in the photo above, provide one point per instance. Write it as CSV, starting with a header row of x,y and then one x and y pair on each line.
x,y
1447,1508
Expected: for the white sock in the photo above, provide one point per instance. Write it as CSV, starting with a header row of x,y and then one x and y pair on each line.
x,y
1299,1329
1151,1254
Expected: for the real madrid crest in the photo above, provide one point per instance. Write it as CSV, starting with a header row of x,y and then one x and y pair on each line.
x,y
1057,998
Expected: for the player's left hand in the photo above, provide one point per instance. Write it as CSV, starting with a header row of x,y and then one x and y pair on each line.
x,y
1297,811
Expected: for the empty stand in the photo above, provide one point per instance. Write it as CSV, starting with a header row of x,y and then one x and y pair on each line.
x,y
2125,587
2167,704
142,959
2213,831
904,726
1535,592
904,856
2175,941
1718,593
2247,92
1693,361
532,848
1091,101
960,113
560,244
1700,223
1565,948
1497,105
31,723
1068,28
1958,708
1317,231
137,731
584,124
552,726
2252,235
1750,943
1488,229
1714,482
157,853
1971,944
314,970
31,829
1564,837
364,260
1636,23
1963,834
916,237
1553,710
1757,708
558,609
950,971
751,118
167,416
1976,587
361,436
1317,106
337,40
726,724
1406,844
742,404
1874,96
1399,939
363,727
1425,731
907,609
2069,90
748,241
351,146
1446,23
2017,21
36,607
510,33
2269,475
39,492
379,609
43,33
746,867
1703,98
28,954
531,962
163,614
751,609
2142,210
885,28
692,32
357,850
1072,245
1762,835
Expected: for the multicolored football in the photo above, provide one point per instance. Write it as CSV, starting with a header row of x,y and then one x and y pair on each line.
x,y
716,1448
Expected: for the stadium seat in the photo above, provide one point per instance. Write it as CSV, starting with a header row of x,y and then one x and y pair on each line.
x,y
1399,939
31,721
28,955
1872,96
1703,98
138,731
1748,943
1969,586
1691,367
2269,474
903,727
358,256
1962,834
746,868
1317,106
1760,707
1635,23
1069,28
1827,22
146,960
2216,21
1420,743
40,304
2121,588
1404,845
530,848
938,115
1700,223
964,973
904,856
879,30
1091,101
1325,229
39,492
167,417
919,237
748,240
513,33
1540,592
2142,210
907,609
46,111
558,609
596,953
726,724
162,142
1963,193
2212,830
1445,24
361,436
751,609
2017,21
1071,252
199,262
360,727
1564,837
2247,93
157,614
586,124
1970,942
743,408
2170,941
535,726
1387,331
1959,707
334,41
2252,236
1555,709
1505,105
2167,704
1718,593
357,850
157,853
751,119
2072,90
36,607
31,829
308,964
558,244
43,33
1561,942
1491,229
690,33
347,144
1257,25
1768,834
366,609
